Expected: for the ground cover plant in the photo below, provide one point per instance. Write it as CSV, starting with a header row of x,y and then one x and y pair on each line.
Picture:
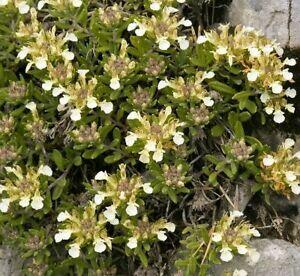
x,y
124,130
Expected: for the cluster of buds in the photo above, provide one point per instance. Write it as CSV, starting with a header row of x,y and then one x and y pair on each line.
x,y
80,95
200,115
86,134
191,89
261,62
21,5
174,175
17,90
155,66
239,150
35,128
157,133
119,67
141,98
143,230
231,237
7,124
84,227
45,47
24,188
121,191
60,4
7,154
163,28
111,15
281,169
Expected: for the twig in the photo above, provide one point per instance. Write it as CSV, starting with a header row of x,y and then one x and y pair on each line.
x,y
65,173
227,197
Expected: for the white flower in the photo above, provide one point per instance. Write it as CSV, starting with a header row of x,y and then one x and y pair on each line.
x,y
75,114
268,160
76,3
278,116
47,85
240,272
242,249
37,202
67,55
287,75
31,106
264,97
181,1
115,221
102,175
163,44
161,235
290,108
41,4
150,145
132,26
289,62
201,39
140,31
290,176
226,255
236,214
106,107
254,232
2,188
24,202
268,49
4,204
254,52
23,53
99,246
147,188
208,101
82,72
130,139
115,83
23,7
71,37
171,10
131,209
183,42
291,93
252,75
276,87
253,256
99,197
155,6
64,234
132,242
269,110
221,50
279,50
144,157
62,216
3,2
288,143
297,155
178,138
208,75
295,188
162,84
186,23
74,250
216,237
41,63
57,91
133,115
64,99
110,213
45,170
158,155
170,226
91,102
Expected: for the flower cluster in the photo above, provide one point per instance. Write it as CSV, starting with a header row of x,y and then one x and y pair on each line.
x,y
158,134
256,54
122,191
21,5
280,170
239,150
85,228
143,231
231,237
24,188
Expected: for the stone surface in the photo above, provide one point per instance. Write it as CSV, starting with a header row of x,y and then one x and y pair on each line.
x,y
277,258
10,264
278,19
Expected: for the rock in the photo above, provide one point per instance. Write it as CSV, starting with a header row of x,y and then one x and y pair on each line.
x,y
278,19
10,264
277,258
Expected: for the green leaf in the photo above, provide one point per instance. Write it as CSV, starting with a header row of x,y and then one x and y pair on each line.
x,y
58,159
59,187
113,158
222,88
217,131
239,130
